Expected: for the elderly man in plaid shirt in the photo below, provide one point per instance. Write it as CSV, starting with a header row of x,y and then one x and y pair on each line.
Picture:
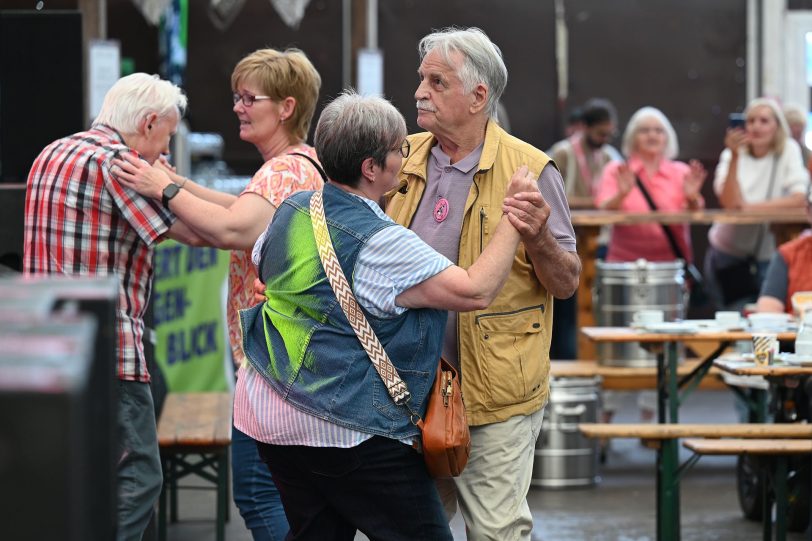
x,y
79,221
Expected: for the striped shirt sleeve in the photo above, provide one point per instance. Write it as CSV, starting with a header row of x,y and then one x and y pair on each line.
x,y
391,262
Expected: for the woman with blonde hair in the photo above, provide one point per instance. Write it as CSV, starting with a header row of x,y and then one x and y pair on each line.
x,y
275,97
760,169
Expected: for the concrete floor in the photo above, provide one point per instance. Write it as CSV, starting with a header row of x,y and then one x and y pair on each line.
x,y
619,508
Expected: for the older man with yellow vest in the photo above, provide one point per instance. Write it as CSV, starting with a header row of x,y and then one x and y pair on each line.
x,y
450,193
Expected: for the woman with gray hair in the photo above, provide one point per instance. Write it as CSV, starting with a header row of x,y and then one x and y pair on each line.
x,y
339,449
650,145
760,168
650,171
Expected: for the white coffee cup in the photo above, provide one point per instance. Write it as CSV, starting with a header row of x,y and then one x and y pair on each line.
x,y
768,321
641,318
728,319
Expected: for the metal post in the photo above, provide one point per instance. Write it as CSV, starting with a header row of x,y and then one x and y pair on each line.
x,y
346,43
372,24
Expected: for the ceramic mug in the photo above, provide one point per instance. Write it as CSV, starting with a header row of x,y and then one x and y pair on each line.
x,y
641,318
728,319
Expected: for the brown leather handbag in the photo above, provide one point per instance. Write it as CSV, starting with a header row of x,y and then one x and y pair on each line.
x,y
446,438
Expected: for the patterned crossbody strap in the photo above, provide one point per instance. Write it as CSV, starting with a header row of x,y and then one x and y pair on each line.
x,y
380,360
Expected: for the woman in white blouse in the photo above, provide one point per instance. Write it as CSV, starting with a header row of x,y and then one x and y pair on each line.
x,y
760,169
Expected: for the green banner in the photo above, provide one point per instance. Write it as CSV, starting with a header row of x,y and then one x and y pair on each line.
x,y
189,310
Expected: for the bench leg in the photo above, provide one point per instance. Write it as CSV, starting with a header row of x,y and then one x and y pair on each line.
x,y
162,503
222,494
780,483
173,491
766,504
668,512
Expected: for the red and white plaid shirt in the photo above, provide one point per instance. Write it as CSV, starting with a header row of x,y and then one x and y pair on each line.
x,y
79,221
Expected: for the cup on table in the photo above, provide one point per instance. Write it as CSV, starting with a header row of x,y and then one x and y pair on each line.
x,y
769,321
643,318
765,347
728,319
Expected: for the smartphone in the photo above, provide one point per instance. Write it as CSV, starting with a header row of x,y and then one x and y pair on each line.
x,y
736,120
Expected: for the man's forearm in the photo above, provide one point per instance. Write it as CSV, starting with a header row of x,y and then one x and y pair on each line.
x,y
557,269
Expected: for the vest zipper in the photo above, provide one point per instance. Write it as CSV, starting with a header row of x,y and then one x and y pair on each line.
x,y
482,218
491,314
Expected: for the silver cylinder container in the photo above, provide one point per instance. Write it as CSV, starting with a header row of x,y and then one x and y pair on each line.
x,y
621,289
565,457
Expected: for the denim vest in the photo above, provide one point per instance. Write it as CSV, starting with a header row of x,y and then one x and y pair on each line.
x,y
301,342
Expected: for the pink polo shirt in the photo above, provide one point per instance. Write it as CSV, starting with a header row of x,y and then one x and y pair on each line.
x,y
648,241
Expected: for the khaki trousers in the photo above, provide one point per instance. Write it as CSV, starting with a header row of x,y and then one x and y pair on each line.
x,y
492,490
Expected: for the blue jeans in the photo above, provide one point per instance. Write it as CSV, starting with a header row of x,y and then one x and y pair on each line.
x,y
255,494
138,472
380,487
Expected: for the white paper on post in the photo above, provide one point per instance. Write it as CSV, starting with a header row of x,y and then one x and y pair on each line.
x,y
370,72
104,69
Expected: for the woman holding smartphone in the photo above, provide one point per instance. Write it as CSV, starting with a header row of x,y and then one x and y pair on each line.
x,y
760,168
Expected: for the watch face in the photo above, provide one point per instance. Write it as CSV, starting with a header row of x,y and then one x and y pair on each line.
x,y
169,192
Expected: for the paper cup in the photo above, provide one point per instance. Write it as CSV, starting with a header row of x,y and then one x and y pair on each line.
x,y
765,347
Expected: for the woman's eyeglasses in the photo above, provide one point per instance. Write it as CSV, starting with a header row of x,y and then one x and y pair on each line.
x,y
405,148
247,99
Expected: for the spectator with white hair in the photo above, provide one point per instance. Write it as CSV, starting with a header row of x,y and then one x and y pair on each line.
x,y
79,221
650,172
796,120
650,145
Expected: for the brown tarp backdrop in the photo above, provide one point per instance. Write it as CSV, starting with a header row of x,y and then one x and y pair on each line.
x,y
687,57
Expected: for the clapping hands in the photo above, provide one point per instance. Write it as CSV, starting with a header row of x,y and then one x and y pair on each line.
x,y
625,180
693,180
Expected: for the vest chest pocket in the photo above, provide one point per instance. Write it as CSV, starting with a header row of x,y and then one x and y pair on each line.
x,y
510,346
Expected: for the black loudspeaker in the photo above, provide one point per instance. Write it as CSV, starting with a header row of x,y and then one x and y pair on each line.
x,y
57,409
41,85
12,212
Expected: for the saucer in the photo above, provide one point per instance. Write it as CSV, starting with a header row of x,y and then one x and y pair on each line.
x,y
670,327
798,360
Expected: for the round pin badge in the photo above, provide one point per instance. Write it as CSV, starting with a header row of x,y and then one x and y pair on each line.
x,y
441,210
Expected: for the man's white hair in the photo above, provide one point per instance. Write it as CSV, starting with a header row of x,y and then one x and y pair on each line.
x,y
134,97
482,60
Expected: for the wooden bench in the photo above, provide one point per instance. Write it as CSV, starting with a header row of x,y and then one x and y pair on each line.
x,y
623,378
681,430
779,450
665,438
196,426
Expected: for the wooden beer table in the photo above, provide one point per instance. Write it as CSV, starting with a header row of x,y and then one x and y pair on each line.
x,y
671,391
787,223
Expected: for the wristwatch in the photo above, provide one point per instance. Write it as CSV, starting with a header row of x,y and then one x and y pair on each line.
x,y
169,192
